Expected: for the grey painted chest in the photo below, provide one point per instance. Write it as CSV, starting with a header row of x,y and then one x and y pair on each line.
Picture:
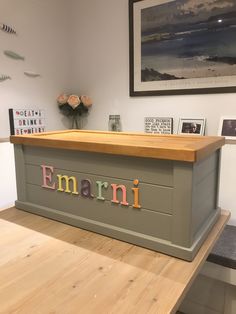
x,y
159,192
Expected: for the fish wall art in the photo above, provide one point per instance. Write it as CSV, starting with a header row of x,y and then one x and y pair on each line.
x,y
4,77
13,55
7,29
31,74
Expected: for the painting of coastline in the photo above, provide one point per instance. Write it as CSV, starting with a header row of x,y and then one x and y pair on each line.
x,y
188,39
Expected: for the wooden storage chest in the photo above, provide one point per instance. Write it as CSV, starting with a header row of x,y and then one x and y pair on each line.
x,y
156,191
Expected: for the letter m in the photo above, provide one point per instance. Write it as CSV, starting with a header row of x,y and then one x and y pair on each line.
x,y
68,181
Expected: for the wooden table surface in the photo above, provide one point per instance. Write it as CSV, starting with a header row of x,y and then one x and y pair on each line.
x,y
49,267
189,148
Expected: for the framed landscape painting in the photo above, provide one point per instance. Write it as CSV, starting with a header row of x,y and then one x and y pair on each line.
x,y
182,46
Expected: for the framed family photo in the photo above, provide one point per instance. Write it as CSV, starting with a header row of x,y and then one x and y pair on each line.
x,y
192,126
182,47
227,127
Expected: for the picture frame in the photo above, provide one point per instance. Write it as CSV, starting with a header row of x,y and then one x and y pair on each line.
x,y
227,127
158,125
181,56
114,123
191,126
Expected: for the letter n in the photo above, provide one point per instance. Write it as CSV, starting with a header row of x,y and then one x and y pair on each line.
x,y
116,187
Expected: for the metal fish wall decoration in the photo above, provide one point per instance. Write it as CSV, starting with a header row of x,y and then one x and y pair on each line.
x,y
13,55
31,74
4,77
7,29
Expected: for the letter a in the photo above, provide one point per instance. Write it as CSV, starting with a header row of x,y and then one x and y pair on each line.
x,y
86,188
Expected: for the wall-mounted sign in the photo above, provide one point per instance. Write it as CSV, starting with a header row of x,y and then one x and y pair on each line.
x,y
26,121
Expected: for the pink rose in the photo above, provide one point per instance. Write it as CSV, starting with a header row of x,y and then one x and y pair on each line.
x,y
86,100
73,101
62,99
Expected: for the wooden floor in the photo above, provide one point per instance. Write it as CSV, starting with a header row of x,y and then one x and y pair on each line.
x,y
47,267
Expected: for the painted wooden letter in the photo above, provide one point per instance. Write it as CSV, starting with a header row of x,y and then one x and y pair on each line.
x,y
86,188
101,185
115,187
136,194
67,180
47,177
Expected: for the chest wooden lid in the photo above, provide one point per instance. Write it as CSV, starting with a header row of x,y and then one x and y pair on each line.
x,y
172,147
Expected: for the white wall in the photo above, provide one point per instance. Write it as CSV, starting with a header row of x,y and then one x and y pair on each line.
x,y
101,64
227,181
42,38
7,171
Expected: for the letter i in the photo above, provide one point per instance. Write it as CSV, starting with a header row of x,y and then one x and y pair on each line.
x,y
136,194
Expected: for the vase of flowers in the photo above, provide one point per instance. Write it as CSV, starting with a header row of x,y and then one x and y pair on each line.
x,y
74,106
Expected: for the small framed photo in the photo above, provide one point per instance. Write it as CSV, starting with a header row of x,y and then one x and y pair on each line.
x,y
227,127
192,126
158,125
